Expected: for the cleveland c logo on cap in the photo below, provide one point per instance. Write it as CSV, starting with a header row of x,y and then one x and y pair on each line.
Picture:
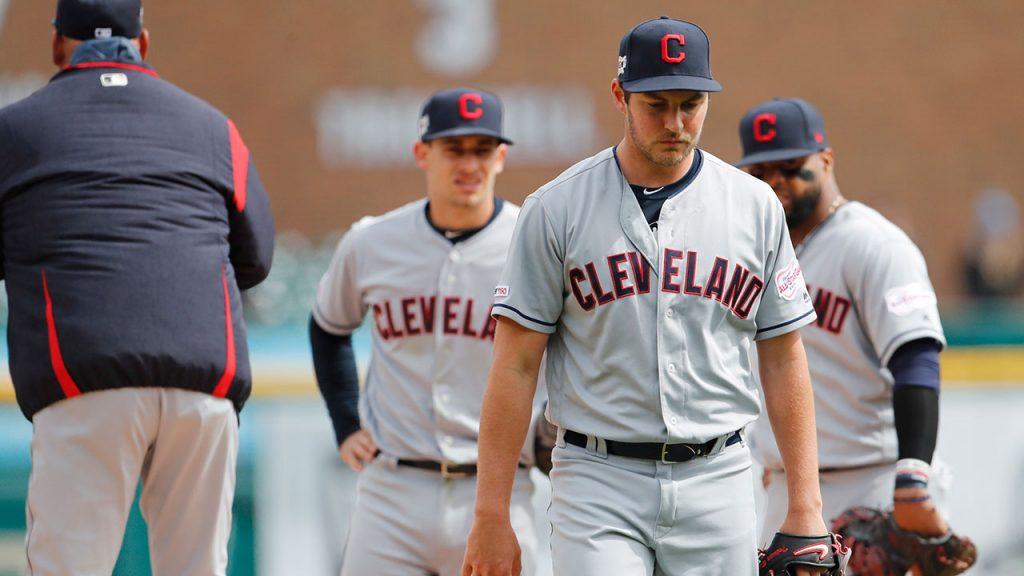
x,y
760,134
666,51
464,110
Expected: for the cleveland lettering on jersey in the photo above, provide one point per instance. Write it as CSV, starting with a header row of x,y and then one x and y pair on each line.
x,y
416,315
629,274
832,310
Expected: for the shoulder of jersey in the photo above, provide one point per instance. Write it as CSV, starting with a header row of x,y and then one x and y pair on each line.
x,y
740,185
509,209
509,215
868,225
737,178
562,184
400,219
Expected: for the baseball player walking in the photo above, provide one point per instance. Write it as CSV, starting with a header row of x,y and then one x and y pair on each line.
x,y
427,272
645,272
131,217
874,350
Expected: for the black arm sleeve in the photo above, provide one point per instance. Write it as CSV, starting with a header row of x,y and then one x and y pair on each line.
x,y
915,369
334,362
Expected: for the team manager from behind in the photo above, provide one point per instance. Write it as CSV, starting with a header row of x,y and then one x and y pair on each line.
x,y
131,219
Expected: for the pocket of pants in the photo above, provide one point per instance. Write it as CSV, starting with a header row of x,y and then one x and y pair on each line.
x,y
570,452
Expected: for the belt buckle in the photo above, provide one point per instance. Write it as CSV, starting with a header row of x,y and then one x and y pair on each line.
x,y
448,475
664,454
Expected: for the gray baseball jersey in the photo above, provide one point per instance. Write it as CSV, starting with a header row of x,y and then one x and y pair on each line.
x,y
872,294
651,330
431,324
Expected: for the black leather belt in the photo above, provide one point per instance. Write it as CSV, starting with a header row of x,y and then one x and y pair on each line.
x,y
447,470
667,453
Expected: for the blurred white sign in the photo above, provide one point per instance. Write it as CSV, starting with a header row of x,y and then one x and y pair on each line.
x,y
460,36
376,127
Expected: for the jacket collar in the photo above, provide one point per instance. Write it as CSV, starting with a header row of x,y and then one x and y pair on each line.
x,y
113,52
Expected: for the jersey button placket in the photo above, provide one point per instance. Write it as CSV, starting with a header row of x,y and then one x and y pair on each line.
x,y
439,395
448,276
672,420
667,371
447,446
667,380
673,344
666,228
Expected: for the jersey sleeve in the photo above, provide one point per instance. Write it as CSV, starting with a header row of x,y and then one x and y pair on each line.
x,y
6,167
6,157
339,308
251,223
893,295
532,286
785,304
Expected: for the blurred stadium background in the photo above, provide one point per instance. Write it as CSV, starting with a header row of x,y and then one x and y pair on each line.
x,y
920,101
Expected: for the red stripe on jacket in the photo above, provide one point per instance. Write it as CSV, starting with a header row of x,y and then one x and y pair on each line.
x,y
239,165
121,65
67,383
221,390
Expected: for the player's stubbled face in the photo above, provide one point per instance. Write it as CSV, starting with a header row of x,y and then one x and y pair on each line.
x,y
461,169
665,126
796,182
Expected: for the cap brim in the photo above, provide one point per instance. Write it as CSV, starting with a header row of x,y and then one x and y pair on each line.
x,y
660,83
776,156
465,131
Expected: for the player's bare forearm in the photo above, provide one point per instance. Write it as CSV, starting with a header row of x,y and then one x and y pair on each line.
x,y
492,547
789,400
506,413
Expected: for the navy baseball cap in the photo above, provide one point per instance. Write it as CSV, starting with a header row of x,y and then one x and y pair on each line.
x,y
91,19
781,129
666,54
461,112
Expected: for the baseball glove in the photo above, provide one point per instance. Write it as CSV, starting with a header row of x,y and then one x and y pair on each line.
x,y
788,552
543,444
880,548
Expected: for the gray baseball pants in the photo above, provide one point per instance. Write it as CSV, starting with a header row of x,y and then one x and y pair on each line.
x,y
412,522
615,516
89,454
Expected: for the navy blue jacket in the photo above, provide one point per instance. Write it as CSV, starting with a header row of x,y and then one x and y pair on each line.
x,y
131,217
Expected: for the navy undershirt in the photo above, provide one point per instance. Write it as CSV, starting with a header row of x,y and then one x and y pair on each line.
x,y
456,236
651,201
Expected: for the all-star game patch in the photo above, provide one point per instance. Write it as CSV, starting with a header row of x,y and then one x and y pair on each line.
x,y
903,300
790,281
